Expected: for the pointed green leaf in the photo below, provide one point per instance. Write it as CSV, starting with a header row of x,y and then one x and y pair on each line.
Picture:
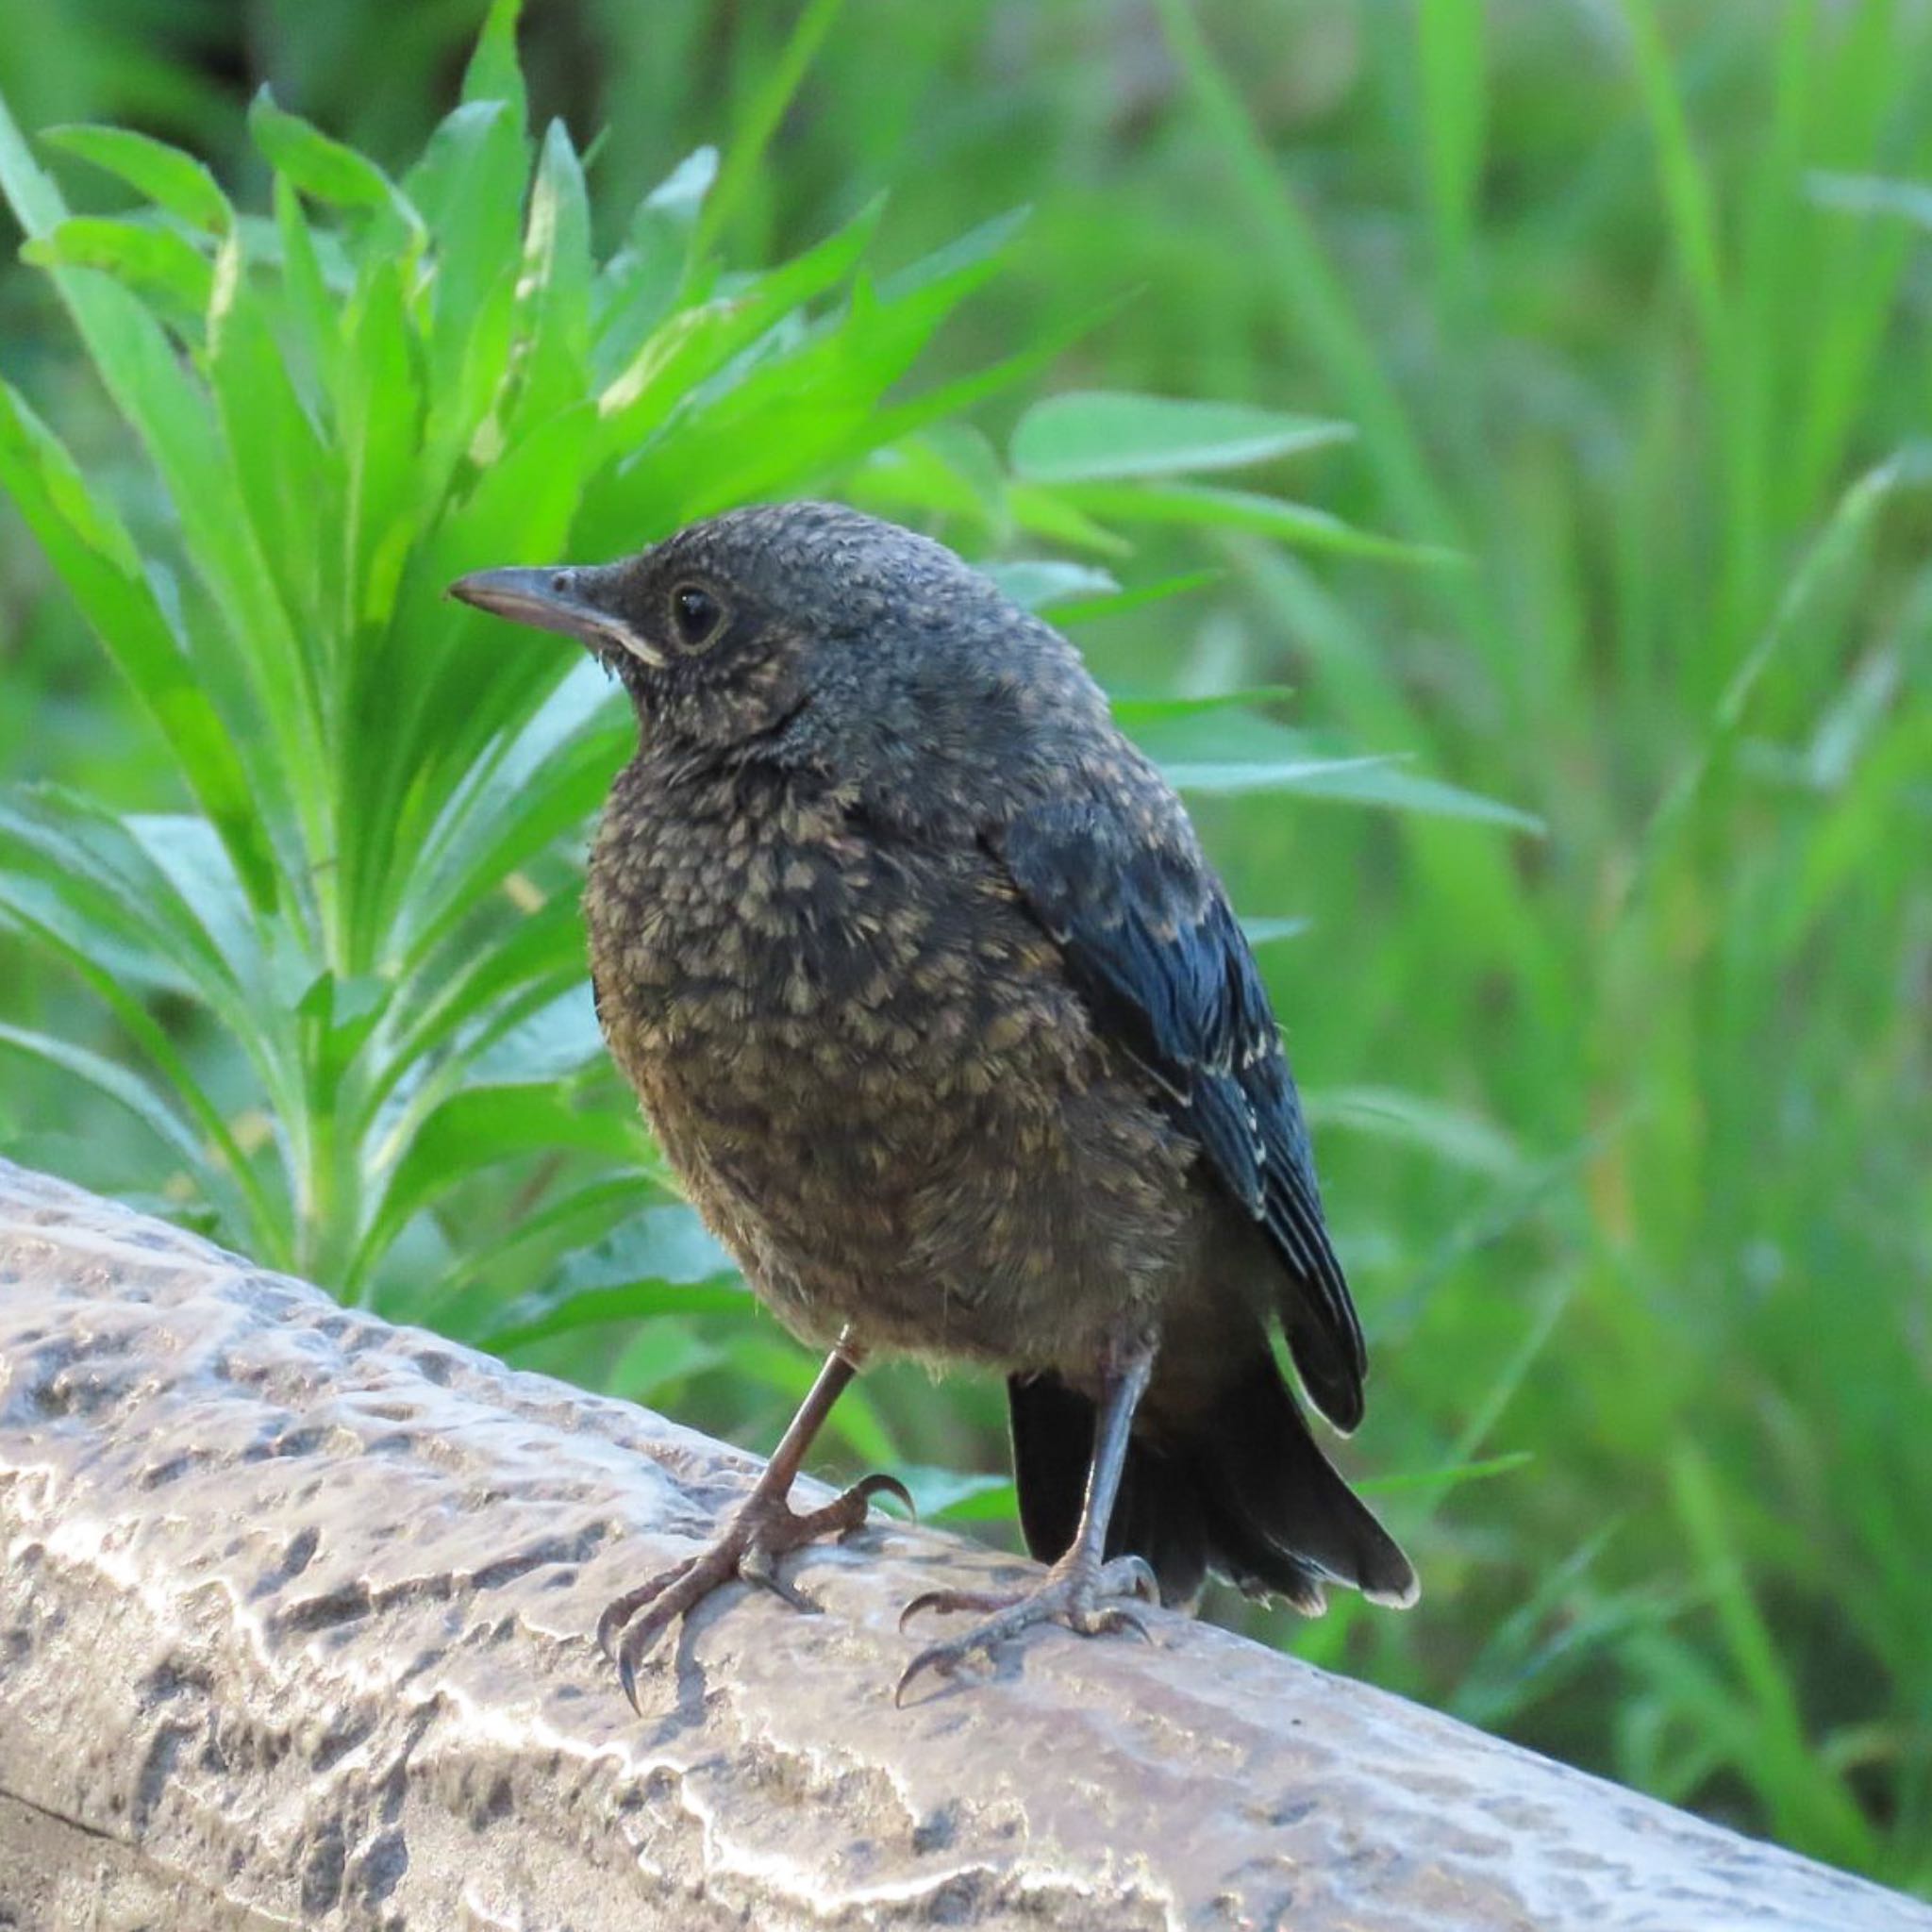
x,y
556,284
324,169
1092,435
140,256
1136,597
482,1128
96,560
1037,583
661,1261
697,342
495,73
469,186
1376,780
1207,507
167,176
125,1088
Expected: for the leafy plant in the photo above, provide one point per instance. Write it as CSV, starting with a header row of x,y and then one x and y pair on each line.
x,y
397,1085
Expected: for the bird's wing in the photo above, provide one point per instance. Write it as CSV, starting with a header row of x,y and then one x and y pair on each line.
x,y
1153,949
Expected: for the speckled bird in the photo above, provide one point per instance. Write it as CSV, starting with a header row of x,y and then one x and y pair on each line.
x,y
945,1022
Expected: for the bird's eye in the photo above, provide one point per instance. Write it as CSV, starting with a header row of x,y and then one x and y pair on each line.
x,y
697,615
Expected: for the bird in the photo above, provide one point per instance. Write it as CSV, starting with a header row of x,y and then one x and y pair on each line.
x,y
945,1022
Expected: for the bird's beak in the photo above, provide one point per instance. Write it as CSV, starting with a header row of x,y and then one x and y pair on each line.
x,y
567,598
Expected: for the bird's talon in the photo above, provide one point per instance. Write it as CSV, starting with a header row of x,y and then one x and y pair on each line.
x,y
952,1602
927,1600
619,1613
1085,1600
882,1484
763,1530
943,1658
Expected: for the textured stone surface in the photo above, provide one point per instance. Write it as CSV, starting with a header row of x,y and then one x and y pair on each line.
x,y
293,1624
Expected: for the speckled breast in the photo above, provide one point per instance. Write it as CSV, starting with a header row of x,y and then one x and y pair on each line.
x,y
861,1057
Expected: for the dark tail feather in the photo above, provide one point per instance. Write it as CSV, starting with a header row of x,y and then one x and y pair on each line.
x,y
1276,1508
1243,1489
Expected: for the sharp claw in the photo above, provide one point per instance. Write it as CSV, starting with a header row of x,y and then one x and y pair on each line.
x,y
869,1487
640,1640
952,1602
943,1657
1126,1621
618,1615
927,1600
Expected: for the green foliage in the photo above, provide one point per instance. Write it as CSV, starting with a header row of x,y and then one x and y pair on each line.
x,y
1622,1129
371,902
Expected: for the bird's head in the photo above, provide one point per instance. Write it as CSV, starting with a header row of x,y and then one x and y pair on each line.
x,y
831,636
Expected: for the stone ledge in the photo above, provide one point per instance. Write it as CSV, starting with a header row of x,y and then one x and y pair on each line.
x,y
294,1629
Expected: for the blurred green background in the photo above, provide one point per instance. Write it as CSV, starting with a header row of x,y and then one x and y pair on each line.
x,y
1624,1127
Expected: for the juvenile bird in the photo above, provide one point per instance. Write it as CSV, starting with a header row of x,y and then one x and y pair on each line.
x,y
945,1022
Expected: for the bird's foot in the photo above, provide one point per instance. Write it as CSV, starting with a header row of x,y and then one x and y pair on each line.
x,y
764,1529
1086,1596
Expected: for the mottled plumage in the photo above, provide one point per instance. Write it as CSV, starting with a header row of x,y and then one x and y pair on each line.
x,y
944,1020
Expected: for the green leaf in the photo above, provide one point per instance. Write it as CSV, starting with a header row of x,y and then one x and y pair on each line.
x,y
1206,505
1871,194
97,562
528,789
168,177
493,72
1454,1136
143,373
663,1261
1266,932
479,1129
697,342
36,201
559,1038
118,1085
307,294
661,1356
144,256
291,482
461,990
1095,435
680,196
635,289
1036,583
555,287
1090,610
759,120
469,187
323,168
98,959
777,425
1374,780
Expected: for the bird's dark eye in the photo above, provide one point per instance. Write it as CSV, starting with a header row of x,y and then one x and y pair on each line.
x,y
697,615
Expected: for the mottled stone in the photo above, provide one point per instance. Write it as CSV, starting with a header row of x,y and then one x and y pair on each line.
x,y
294,1628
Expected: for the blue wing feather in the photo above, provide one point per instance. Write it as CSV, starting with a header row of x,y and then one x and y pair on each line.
x,y
1152,946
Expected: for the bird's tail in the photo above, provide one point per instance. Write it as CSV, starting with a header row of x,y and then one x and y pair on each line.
x,y
1239,1488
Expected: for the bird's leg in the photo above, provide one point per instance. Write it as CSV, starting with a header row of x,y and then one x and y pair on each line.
x,y
764,1528
1082,1589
